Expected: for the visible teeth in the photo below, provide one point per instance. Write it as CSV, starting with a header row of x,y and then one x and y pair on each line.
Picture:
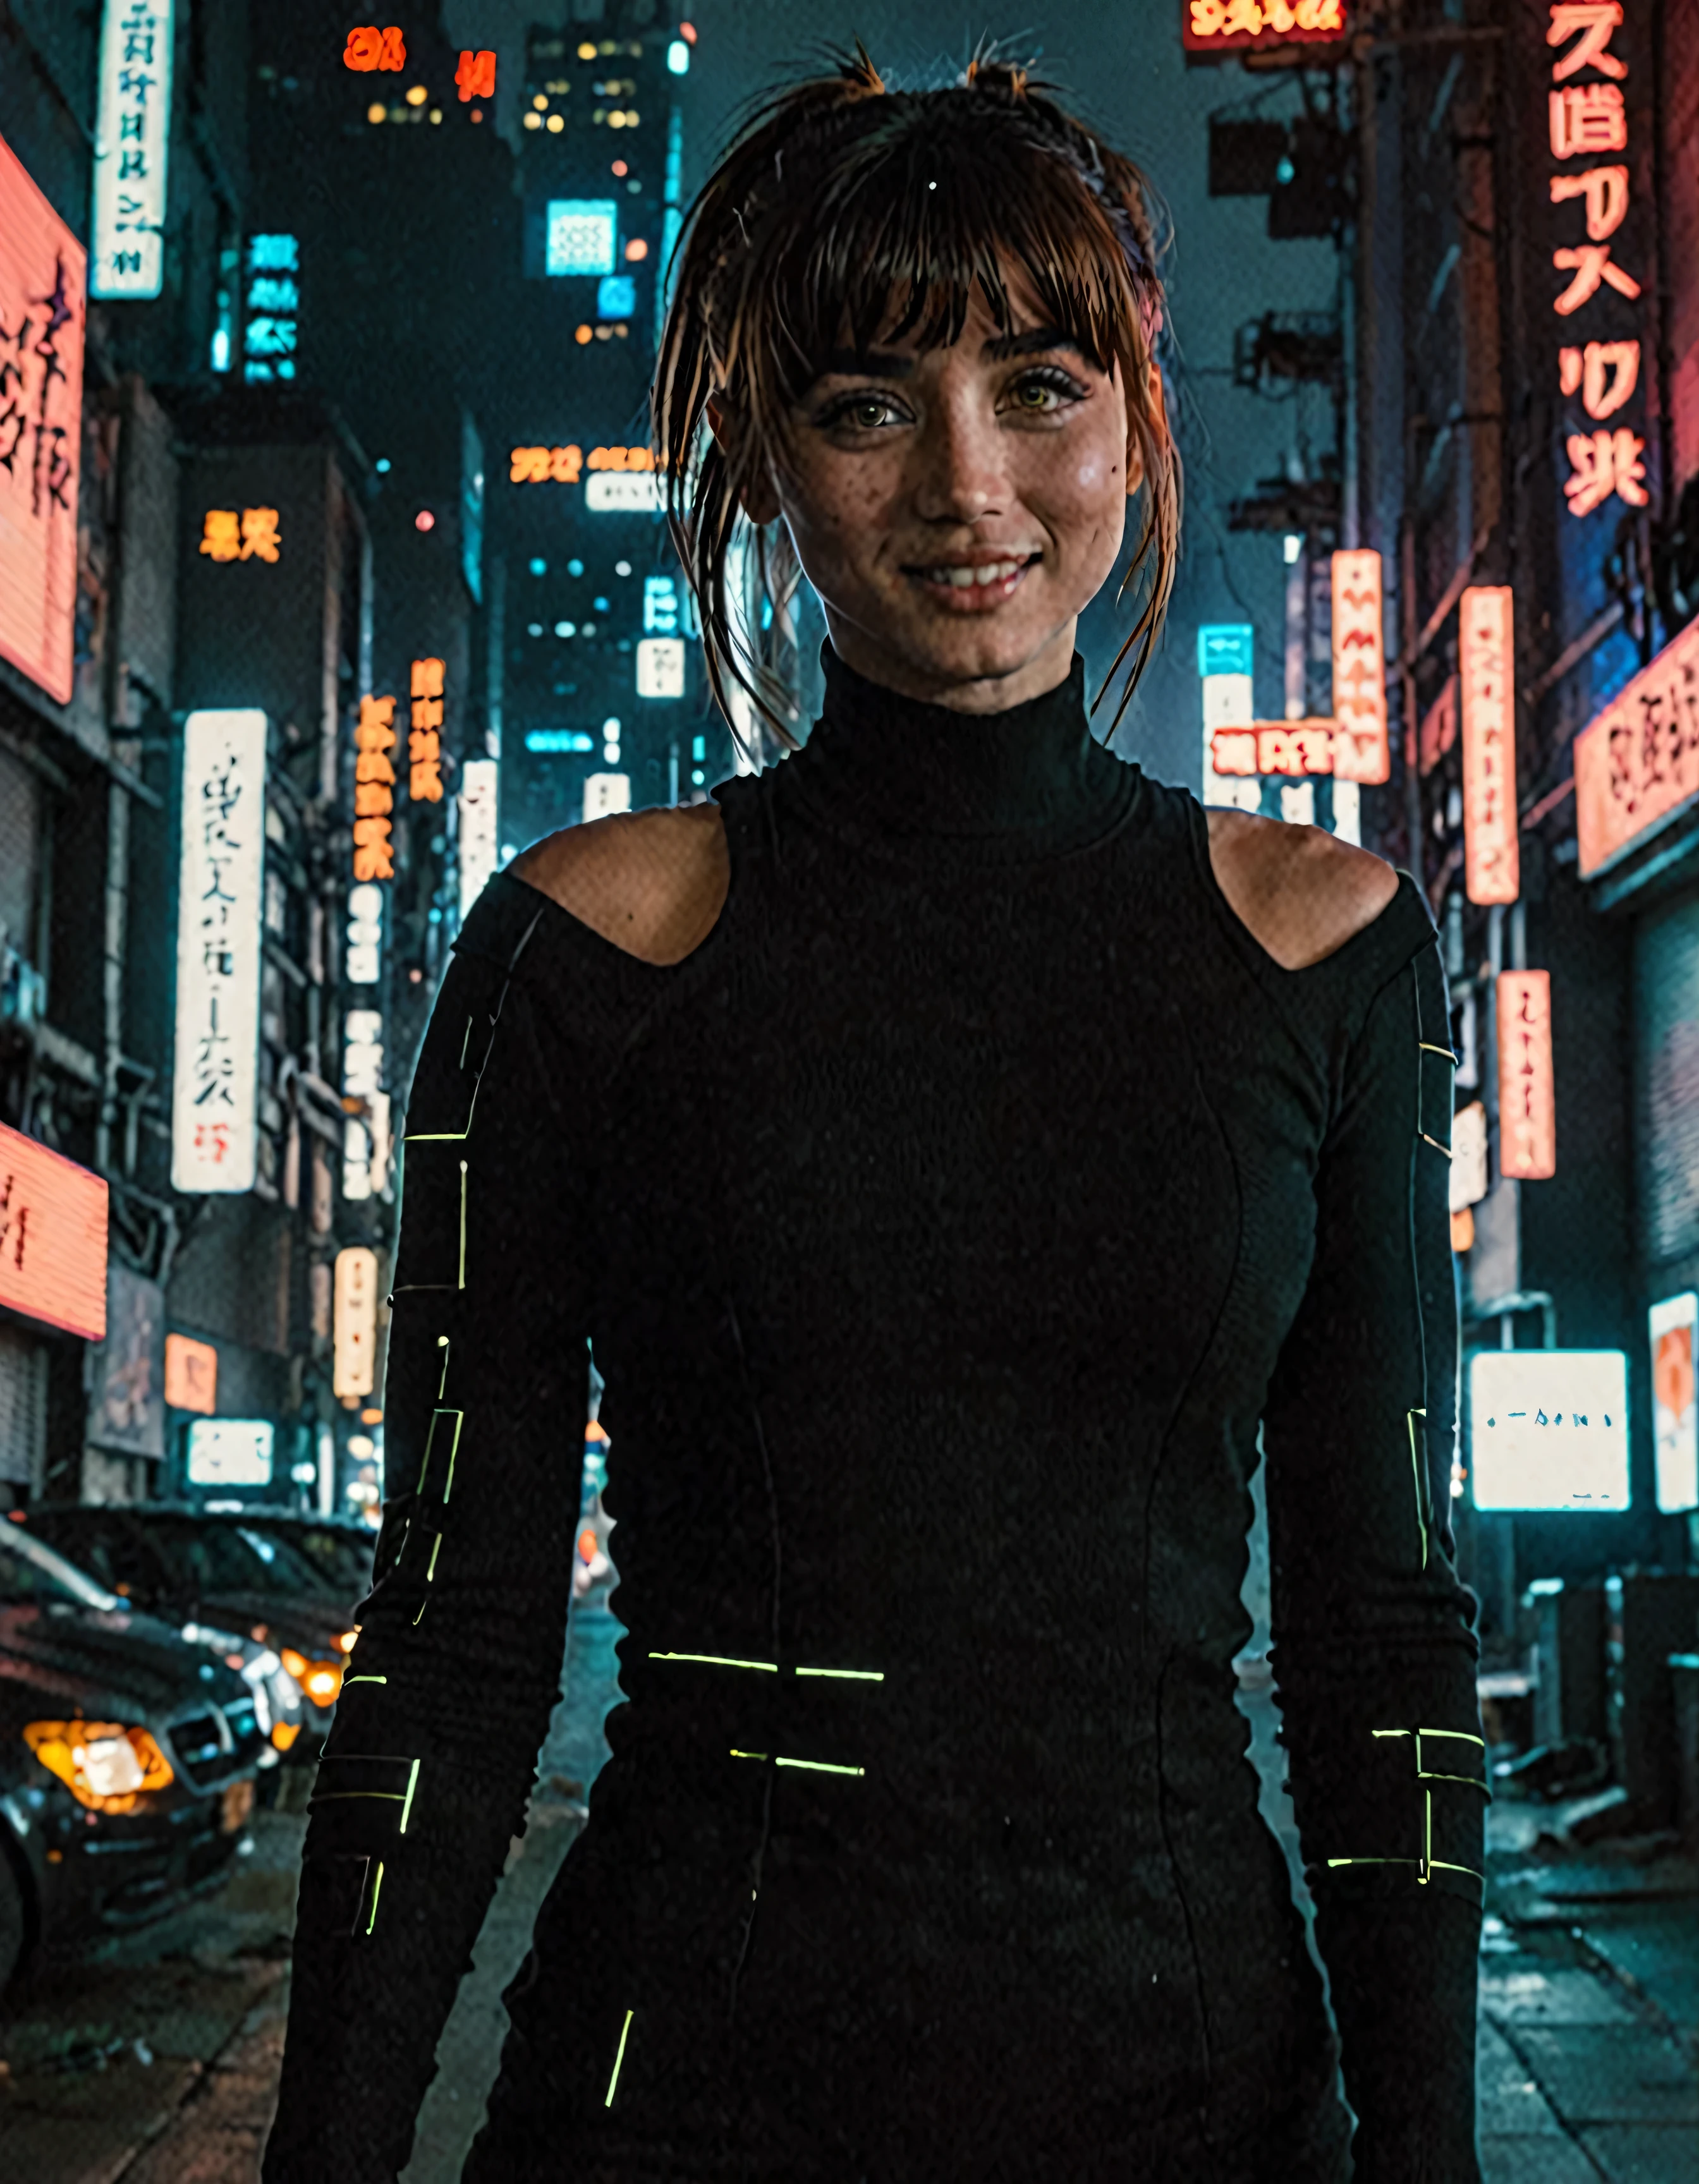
x,y
963,579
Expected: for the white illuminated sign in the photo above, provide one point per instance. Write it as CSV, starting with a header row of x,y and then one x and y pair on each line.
x,y
230,1452
1674,1328
480,848
132,138
362,1068
660,667
365,934
606,792
215,1081
1548,1429
354,1357
1469,1157
623,493
1227,704
579,235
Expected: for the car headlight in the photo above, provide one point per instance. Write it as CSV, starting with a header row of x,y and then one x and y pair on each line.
x,y
105,1766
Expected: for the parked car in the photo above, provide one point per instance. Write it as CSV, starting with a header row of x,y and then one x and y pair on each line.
x,y
339,1548
186,1565
129,1755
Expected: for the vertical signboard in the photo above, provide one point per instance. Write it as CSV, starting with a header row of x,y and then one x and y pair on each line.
x,y
1492,863
1637,761
1226,670
1673,1326
1598,130
1360,745
42,311
1527,1107
354,1350
190,1374
480,852
214,1088
132,141
52,1237
127,1410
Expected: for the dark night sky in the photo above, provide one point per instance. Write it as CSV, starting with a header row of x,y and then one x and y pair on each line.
x,y
1124,68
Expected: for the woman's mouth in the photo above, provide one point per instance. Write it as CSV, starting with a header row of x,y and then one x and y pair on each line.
x,y
971,587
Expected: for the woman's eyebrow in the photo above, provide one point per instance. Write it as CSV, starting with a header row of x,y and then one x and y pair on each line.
x,y
1002,347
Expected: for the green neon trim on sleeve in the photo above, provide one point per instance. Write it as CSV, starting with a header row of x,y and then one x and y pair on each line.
x,y
461,1283
466,1040
346,1680
736,1754
1438,1864
371,1918
861,1675
445,1345
442,1412
1416,1474
717,1661
820,1766
431,1567
1427,1047
618,2059
412,1784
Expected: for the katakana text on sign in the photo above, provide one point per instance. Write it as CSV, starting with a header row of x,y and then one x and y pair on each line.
x,y
369,48
475,75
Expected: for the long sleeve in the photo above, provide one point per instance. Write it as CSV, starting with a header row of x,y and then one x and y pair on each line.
x,y
448,1689
1375,1650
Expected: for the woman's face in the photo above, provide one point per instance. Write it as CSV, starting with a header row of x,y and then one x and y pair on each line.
x,y
956,509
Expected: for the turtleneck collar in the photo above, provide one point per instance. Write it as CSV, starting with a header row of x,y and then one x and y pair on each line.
x,y
1027,782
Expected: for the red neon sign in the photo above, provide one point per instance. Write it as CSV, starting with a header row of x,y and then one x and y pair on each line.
x,y
1231,26
52,1237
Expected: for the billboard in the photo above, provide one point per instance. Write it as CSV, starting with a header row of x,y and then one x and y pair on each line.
x,y
126,1409
190,1374
230,1452
1637,761
578,235
132,139
1548,1429
52,1237
353,1365
41,309
1673,1325
214,1088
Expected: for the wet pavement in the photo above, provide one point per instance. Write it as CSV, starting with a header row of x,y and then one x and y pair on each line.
x,y
158,2063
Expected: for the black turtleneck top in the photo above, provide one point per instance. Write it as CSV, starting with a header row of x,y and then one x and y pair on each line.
x,y
949,1226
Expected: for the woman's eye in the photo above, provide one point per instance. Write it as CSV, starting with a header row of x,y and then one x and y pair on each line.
x,y
862,412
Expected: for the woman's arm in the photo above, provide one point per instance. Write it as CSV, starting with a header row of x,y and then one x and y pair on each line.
x,y
1374,1649
449,1691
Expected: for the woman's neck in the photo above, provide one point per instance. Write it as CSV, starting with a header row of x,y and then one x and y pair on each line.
x,y
951,690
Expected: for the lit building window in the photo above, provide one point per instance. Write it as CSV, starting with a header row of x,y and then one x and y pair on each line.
x,y
678,57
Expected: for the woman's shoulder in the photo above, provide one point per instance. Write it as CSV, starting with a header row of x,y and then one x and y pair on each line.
x,y
1299,892
652,883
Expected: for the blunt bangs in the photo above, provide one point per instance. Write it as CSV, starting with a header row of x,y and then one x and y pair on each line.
x,y
847,218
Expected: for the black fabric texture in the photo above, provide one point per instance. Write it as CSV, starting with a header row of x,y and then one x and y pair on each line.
x,y
948,1226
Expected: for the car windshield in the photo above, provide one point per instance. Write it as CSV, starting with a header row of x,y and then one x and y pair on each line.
x,y
31,1571
342,1560
216,1558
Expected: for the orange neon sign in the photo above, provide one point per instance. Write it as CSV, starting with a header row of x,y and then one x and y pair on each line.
x,y
1492,863
1360,743
1639,758
1527,1105
52,1237
190,1374
369,48
1214,26
475,75
425,739
565,466
374,790
1277,747
227,536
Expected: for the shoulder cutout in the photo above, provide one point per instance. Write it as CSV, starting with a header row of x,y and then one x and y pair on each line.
x,y
652,882
1300,893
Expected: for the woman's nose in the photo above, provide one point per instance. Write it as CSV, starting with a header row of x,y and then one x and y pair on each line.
x,y
960,473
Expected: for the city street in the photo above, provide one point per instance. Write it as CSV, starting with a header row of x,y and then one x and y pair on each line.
x,y
158,2064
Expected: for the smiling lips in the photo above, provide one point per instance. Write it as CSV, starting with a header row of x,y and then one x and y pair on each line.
x,y
971,587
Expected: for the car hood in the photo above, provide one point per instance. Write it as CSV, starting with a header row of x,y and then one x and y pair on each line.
x,y
63,1661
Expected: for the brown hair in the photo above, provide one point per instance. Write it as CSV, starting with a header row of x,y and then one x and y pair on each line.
x,y
818,218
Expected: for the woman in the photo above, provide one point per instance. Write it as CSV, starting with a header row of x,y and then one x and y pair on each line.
x,y
945,1108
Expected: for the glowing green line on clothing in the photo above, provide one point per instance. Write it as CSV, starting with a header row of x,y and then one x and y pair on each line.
x,y
445,1345
1416,1474
1436,1144
1427,1047
820,1766
459,1418
717,1661
1437,1864
736,1754
371,1918
412,1784
462,1282
465,1042
618,2059
431,1567
865,1675
346,1680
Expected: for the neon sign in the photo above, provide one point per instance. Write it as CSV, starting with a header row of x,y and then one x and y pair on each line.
x,y
1215,27
1640,758
52,1237
1586,118
1492,861
1360,742
132,140
374,790
567,466
425,740
1527,1110
369,48
1279,747
214,1083
251,535
475,75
